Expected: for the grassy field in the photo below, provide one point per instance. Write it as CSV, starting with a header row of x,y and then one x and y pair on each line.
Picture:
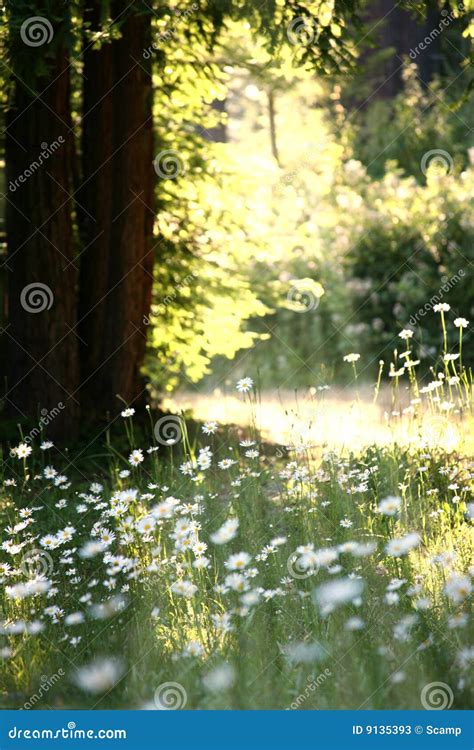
x,y
335,418
224,574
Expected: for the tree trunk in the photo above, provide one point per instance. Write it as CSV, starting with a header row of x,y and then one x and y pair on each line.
x,y
396,29
272,122
117,272
95,204
42,364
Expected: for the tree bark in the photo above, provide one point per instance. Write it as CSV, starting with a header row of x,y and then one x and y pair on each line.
x,y
42,363
95,203
115,304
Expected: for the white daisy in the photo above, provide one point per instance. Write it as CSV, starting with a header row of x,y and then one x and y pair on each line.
x,y
244,385
136,457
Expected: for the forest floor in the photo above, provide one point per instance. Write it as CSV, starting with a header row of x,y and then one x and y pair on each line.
x,y
338,418
207,572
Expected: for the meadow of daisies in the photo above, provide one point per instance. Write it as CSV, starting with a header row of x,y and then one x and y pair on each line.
x,y
208,570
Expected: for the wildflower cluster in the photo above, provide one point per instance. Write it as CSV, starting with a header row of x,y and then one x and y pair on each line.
x,y
232,565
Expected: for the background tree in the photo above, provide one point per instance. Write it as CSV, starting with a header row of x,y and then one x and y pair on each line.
x,y
98,281
117,195
42,355
101,223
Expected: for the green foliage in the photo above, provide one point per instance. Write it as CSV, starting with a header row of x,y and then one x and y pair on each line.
x,y
415,243
380,248
411,124
196,231
244,238
34,32
201,295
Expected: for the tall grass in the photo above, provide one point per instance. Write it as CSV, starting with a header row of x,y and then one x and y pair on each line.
x,y
214,574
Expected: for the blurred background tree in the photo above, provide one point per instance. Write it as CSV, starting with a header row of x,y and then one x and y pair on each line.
x,y
84,228
236,180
